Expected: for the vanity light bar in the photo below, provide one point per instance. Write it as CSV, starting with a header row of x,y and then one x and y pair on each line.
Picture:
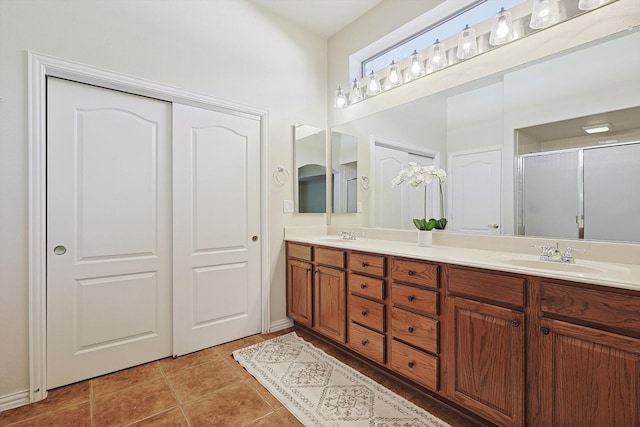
x,y
604,127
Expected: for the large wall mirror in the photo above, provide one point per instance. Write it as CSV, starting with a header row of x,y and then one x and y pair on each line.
x,y
310,169
480,132
344,173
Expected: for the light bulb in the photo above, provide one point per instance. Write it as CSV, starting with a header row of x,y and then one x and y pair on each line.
x,y
501,28
438,56
545,13
395,78
590,4
341,98
373,88
356,94
467,43
416,69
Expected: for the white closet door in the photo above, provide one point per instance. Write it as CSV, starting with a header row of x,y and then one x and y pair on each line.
x,y
216,181
108,231
475,185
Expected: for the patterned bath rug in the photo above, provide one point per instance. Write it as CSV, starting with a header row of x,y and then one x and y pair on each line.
x,y
322,391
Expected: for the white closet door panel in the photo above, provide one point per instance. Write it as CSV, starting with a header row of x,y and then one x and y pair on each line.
x,y
475,186
220,192
109,205
216,172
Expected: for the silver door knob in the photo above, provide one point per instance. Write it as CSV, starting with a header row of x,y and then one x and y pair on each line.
x,y
59,250
493,226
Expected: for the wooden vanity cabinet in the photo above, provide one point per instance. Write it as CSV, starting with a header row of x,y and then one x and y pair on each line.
x,y
300,283
589,356
486,326
329,293
415,321
316,289
367,310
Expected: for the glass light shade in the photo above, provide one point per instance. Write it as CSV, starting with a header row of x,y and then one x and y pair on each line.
x,y
467,43
501,28
356,94
437,56
545,13
341,98
394,78
416,68
591,4
373,87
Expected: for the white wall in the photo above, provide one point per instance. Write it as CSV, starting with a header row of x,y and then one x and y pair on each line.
x,y
228,49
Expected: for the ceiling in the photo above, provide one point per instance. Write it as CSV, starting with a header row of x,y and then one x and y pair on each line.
x,y
322,17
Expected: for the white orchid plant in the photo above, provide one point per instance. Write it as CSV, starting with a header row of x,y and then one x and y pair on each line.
x,y
416,175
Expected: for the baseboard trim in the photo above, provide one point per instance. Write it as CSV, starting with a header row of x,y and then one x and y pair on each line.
x,y
278,325
13,400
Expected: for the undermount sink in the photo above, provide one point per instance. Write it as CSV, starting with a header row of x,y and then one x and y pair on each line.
x,y
336,239
550,265
580,267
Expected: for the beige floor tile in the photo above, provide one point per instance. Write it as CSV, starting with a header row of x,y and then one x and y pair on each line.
x,y
289,417
171,418
235,405
133,404
77,416
57,399
230,347
126,378
170,364
271,420
268,397
194,383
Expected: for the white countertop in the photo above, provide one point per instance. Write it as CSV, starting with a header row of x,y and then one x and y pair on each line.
x,y
625,276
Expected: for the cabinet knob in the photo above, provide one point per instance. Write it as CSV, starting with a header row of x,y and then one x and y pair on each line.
x,y
365,264
308,270
545,331
410,272
364,312
411,364
515,323
364,342
316,271
410,298
362,286
410,329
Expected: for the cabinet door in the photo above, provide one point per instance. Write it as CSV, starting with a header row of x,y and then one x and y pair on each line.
x,y
299,292
588,377
488,368
329,310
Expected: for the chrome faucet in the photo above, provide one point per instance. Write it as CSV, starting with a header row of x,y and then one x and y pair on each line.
x,y
347,235
553,254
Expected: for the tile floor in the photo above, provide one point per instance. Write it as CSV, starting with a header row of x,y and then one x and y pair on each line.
x,y
206,388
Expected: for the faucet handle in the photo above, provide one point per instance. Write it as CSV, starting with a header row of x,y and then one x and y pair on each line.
x,y
568,253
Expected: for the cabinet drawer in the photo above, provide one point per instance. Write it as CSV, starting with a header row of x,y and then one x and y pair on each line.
x,y
415,329
299,251
366,263
415,272
494,287
367,342
332,257
600,307
415,299
367,286
415,365
366,312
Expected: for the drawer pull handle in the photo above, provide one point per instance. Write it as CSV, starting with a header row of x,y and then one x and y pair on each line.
x,y
410,298
365,264
411,364
364,342
515,323
362,286
317,271
410,272
545,331
308,270
364,312
410,329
